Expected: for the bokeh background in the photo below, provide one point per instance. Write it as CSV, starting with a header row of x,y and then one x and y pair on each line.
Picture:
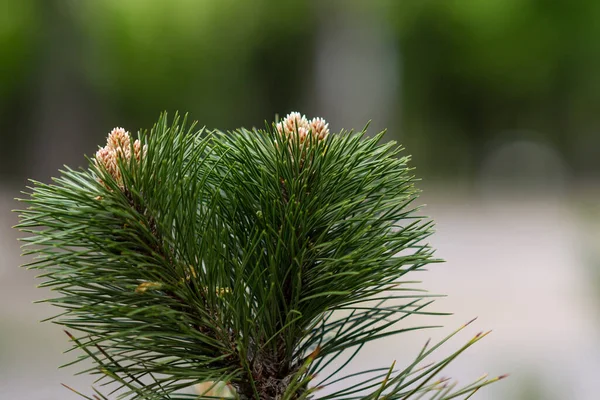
x,y
497,100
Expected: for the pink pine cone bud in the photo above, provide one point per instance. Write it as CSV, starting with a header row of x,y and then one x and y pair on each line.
x,y
297,125
118,146
107,158
138,150
120,140
319,127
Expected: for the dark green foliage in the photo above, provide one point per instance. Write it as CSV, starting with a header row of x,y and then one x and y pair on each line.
x,y
245,258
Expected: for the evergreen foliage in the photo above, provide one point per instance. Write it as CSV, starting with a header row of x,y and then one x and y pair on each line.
x,y
263,259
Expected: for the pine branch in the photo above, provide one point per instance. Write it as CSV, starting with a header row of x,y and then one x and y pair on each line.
x,y
253,258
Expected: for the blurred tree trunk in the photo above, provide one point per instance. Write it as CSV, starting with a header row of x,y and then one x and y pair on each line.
x,y
62,117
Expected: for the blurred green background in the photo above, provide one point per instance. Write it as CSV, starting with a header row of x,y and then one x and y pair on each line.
x,y
452,79
497,101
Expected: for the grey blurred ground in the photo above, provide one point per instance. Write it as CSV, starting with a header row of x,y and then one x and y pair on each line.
x,y
523,263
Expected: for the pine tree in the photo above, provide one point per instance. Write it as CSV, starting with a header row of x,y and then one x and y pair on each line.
x,y
255,262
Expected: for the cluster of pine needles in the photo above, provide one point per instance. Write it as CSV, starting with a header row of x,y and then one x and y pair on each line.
x,y
249,259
